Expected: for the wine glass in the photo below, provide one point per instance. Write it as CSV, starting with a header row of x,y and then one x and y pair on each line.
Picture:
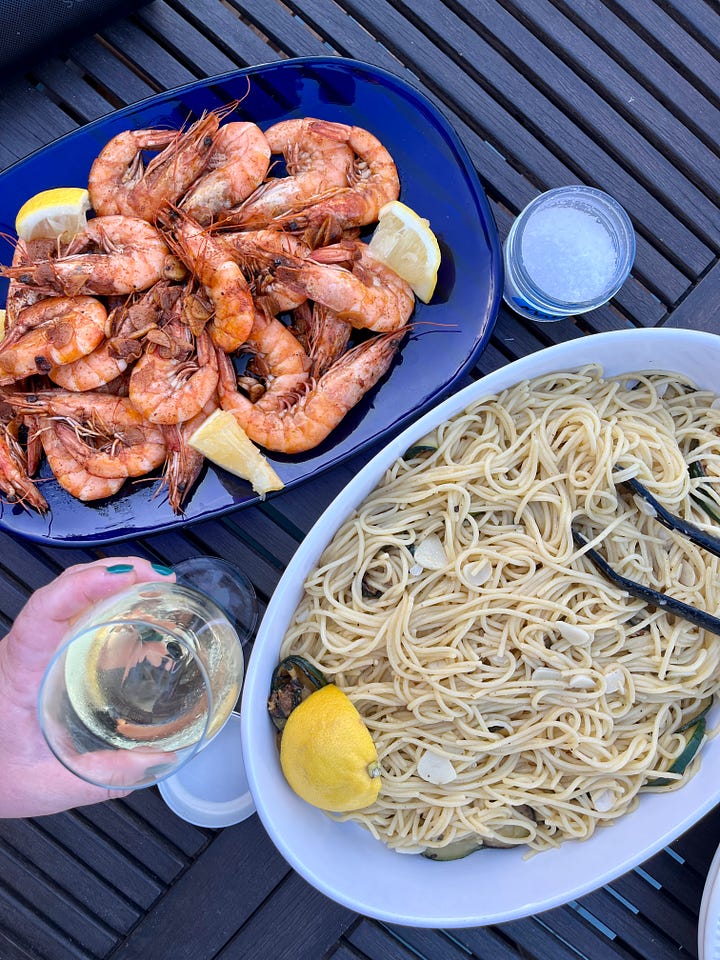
x,y
149,676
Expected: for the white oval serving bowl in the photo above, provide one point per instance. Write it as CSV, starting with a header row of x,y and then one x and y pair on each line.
x,y
343,860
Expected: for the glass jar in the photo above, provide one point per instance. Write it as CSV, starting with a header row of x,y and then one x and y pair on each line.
x,y
569,251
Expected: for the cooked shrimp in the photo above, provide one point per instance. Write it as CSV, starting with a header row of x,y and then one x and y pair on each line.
x,y
120,184
321,407
210,261
316,166
113,255
183,463
64,457
237,165
176,376
323,335
372,182
60,330
111,438
279,359
255,251
21,295
367,294
15,481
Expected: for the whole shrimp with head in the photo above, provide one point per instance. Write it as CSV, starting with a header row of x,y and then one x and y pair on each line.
x,y
119,182
126,327
320,408
371,183
210,262
237,165
349,280
113,255
91,437
53,331
15,480
176,375
316,165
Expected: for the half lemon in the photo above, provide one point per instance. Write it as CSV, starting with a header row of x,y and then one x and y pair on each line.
x,y
404,242
327,753
61,212
221,439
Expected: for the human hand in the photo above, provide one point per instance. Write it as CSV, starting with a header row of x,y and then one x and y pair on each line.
x,y
32,781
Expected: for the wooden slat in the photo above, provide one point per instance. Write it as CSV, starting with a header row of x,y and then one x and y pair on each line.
x,y
227,30
625,85
155,853
105,859
24,883
69,88
149,57
109,71
374,941
187,44
149,805
205,907
310,925
60,865
631,928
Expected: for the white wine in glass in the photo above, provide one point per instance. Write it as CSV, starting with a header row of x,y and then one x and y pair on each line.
x,y
146,680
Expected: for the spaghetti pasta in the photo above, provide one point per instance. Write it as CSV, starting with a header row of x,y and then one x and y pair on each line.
x,y
514,695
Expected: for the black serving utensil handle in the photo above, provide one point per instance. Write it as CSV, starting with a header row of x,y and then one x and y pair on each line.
x,y
669,604
699,537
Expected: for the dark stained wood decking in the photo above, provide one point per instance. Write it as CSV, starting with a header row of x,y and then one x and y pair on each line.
x,y
624,96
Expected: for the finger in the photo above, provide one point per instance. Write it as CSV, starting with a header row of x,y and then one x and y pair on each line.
x,y
44,621
83,585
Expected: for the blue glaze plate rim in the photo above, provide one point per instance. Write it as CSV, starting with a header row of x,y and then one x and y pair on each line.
x,y
438,181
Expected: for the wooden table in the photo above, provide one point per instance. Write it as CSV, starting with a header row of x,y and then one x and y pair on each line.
x,y
622,96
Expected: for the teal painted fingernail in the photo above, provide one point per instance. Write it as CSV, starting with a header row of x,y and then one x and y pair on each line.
x,y
161,568
120,568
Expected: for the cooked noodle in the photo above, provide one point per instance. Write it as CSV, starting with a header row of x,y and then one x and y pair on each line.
x,y
554,695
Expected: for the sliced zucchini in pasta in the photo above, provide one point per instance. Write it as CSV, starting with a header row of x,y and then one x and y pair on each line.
x,y
683,761
455,850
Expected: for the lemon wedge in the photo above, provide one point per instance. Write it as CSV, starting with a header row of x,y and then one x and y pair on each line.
x,y
221,439
327,754
404,242
60,212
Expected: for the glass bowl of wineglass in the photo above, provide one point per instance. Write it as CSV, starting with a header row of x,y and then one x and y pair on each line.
x,y
148,677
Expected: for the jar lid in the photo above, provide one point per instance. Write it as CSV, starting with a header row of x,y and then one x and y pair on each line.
x,y
212,789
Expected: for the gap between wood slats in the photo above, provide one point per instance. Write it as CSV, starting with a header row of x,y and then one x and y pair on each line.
x,y
107,903
25,882
462,87
668,33
230,31
105,858
639,84
629,48
700,19
557,103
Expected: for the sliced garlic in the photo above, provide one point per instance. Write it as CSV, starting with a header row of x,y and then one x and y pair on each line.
x,y
571,633
431,553
581,681
435,769
477,574
415,570
686,575
715,405
644,507
615,682
602,800
546,675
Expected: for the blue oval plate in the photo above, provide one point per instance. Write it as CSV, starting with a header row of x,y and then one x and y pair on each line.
x,y
437,180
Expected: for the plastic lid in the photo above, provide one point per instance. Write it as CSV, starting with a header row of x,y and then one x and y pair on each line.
x,y
212,789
